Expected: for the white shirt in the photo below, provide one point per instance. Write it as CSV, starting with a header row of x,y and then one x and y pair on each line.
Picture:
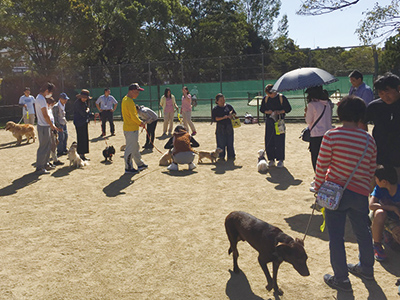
x,y
106,103
40,103
29,101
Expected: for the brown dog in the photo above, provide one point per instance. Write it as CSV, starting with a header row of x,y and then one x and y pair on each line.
x,y
211,155
271,243
166,159
19,131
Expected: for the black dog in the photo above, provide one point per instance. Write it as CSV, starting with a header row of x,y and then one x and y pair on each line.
x,y
108,152
271,243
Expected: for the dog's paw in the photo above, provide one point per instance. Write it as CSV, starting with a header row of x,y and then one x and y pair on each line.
x,y
278,292
269,287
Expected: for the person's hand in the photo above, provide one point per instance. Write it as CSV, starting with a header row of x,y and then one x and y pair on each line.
x,y
87,109
142,124
25,106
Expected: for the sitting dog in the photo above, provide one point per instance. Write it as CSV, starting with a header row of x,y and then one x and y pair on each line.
x,y
108,153
19,131
74,158
166,159
262,165
211,155
271,243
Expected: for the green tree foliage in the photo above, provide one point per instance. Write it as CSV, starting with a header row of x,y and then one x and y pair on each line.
x,y
391,55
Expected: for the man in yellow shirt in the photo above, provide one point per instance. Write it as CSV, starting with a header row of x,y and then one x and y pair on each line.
x,y
131,130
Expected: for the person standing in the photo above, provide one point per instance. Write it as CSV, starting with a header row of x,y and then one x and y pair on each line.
x,y
81,121
150,121
168,103
27,102
44,127
222,113
107,104
186,110
385,114
61,122
341,150
359,88
274,106
131,130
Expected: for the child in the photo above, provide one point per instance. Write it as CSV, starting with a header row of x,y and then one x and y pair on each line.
x,y
385,205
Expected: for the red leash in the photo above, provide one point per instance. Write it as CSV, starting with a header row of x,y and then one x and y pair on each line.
x,y
151,141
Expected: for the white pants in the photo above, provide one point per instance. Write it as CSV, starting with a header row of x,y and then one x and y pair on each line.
x,y
187,120
168,120
183,157
132,149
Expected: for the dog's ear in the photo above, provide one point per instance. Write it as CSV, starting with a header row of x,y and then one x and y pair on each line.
x,y
283,249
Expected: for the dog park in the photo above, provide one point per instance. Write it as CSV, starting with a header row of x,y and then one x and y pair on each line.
x,y
96,233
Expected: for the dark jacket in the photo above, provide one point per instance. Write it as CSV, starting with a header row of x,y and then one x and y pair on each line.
x,y
81,116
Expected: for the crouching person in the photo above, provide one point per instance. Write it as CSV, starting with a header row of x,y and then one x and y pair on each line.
x,y
181,144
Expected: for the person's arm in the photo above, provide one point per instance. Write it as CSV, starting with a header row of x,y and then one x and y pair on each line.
x,y
21,102
174,102
387,205
47,119
223,118
367,96
162,102
287,108
56,116
323,161
193,142
115,107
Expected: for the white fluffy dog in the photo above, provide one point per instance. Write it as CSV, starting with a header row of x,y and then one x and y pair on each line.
x,y
74,159
262,165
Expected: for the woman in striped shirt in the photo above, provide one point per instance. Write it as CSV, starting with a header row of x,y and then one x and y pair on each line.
x,y
341,149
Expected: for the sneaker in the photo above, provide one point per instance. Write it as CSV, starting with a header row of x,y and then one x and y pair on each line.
x,y
192,166
142,167
58,163
344,286
194,133
379,253
50,167
113,134
356,271
280,164
173,167
312,189
271,163
83,157
102,135
42,171
131,171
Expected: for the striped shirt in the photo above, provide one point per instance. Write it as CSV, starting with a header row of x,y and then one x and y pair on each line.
x,y
341,149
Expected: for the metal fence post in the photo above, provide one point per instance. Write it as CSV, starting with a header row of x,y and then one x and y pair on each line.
x,y
151,104
220,75
120,81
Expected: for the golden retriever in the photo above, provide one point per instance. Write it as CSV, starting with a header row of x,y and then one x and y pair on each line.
x,y
19,130
166,159
211,155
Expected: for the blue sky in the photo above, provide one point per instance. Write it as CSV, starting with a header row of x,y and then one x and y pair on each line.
x,y
329,30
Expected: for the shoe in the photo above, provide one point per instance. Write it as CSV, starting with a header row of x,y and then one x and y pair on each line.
x,y
271,163
312,189
50,167
280,164
379,253
192,166
173,167
344,286
58,163
356,271
42,171
131,171
142,167
102,135
83,157
112,134
194,133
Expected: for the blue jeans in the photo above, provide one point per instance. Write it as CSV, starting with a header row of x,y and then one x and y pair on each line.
x,y
225,142
355,206
62,140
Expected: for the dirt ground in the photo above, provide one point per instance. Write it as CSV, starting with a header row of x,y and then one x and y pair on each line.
x,y
95,233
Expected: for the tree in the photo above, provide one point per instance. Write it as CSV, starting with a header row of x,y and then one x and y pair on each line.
x,y
391,55
380,22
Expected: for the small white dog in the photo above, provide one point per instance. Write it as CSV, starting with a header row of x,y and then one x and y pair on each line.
x,y
262,165
74,159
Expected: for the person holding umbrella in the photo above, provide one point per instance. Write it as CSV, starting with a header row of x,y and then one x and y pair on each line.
x,y
274,106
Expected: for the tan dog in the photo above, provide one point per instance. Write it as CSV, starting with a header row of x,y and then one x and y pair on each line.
x,y
74,159
19,131
211,155
166,159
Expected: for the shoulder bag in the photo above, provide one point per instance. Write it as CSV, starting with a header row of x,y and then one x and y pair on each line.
x,y
330,193
305,134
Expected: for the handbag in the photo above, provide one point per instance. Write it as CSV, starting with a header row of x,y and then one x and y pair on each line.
x,y
280,127
330,193
235,122
305,134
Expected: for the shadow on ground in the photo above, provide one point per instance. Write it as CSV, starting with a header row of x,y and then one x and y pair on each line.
x,y
282,178
115,188
20,183
238,287
222,166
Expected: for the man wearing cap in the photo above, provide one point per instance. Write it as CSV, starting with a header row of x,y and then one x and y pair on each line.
x,y
27,102
131,130
359,88
61,122
106,104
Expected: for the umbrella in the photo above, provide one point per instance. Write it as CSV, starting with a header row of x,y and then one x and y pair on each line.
x,y
303,78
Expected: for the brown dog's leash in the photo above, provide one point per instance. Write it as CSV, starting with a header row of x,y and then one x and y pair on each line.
x,y
151,141
309,220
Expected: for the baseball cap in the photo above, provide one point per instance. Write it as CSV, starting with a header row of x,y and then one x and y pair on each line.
x,y
64,96
135,86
